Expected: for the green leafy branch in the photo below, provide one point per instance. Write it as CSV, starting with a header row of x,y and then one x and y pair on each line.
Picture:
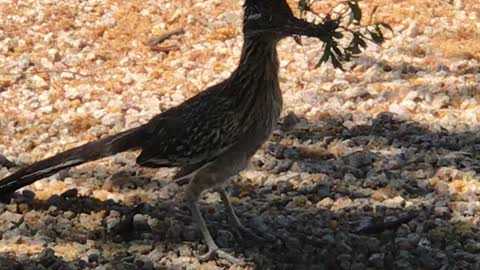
x,y
347,36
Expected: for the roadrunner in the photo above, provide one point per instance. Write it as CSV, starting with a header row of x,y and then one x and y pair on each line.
x,y
212,135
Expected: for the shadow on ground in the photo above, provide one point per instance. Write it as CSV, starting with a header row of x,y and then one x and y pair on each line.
x,y
327,197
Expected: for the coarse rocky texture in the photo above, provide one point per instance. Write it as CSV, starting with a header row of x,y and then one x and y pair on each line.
x,y
374,168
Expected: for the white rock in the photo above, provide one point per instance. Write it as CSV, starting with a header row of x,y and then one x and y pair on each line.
x,y
128,79
411,95
112,119
395,108
409,104
412,30
325,203
38,82
8,44
395,202
11,217
440,101
459,5
67,75
24,62
178,97
46,109
353,92
48,38
53,55
72,92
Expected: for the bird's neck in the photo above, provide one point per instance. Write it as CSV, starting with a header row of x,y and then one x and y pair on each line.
x,y
259,59
254,84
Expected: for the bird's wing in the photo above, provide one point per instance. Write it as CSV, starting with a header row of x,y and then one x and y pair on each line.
x,y
193,133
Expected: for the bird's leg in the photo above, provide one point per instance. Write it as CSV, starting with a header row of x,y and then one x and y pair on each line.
x,y
213,249
232,217
193,191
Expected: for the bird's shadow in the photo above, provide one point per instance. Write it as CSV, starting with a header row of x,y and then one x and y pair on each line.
x,y
322,204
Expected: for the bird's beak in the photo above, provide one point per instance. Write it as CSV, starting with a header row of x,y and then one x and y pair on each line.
x,y
298,27
294,26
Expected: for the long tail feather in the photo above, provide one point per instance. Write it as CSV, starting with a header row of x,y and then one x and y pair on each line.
x,y
91,151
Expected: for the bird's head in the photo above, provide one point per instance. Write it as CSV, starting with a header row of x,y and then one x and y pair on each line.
x,y
274,18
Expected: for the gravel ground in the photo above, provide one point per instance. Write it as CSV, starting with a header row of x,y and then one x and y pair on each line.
x,y
376,167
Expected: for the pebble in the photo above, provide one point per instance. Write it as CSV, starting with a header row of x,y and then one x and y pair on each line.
x,y
140,222
377,260
24,62
53,55
395,202
11,217
325,203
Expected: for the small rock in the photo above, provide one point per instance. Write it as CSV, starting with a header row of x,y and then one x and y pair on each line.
x,y
412,30
283,166
441,211
373,244
397,109
67,75
11,217
224,238
72,92
353,92
111,119
46,257
4,162
344,261
143,262
341,203
459,4
409,104
378,196
290,120
157,254
128,79
112,221
377,260
93,258
185,250
284,186
24,62
325,203
357,266
395,202
53,55
441,100
293,243
359,159
140,223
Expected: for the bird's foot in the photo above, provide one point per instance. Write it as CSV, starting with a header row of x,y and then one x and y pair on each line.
x,y
216,252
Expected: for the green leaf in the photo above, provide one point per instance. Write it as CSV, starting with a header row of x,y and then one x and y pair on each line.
x,y
353,48
336,63
385,25
356,11
362,43
372,14
378,39
337,35
326,55
337,51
